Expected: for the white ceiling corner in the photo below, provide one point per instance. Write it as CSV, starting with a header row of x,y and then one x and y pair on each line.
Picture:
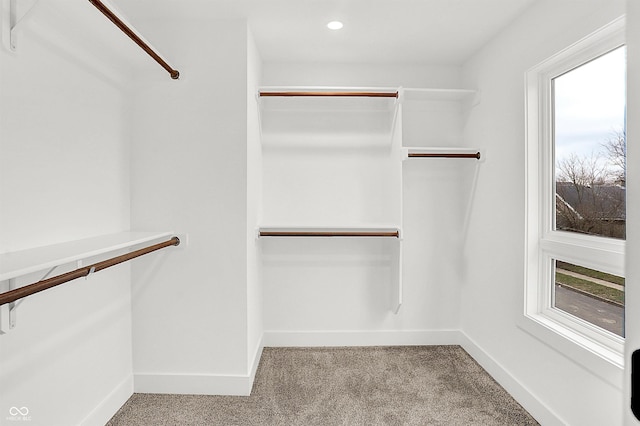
x,y
434,32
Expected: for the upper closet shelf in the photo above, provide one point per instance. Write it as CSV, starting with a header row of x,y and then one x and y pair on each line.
x,y
18,263
315,113
437,94
365,92
295,115
327,92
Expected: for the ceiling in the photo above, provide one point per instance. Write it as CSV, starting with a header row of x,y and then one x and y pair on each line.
x,y
442,32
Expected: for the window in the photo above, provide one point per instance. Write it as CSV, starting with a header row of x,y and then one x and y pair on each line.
x,y
589,141
576,104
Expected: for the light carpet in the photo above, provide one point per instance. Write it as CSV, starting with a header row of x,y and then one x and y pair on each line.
x,y
407,385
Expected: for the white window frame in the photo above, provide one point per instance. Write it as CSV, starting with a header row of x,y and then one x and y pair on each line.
x,y
579,339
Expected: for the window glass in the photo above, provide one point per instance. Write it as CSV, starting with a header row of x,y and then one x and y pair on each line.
x,y
589,137
594,296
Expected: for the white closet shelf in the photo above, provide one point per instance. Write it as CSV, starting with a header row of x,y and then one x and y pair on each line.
x,y
364,92
328,99
326,91
327,111
18,263
319,231
437,94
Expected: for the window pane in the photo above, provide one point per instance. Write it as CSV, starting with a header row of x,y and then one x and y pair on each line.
x,y
591,295
590,147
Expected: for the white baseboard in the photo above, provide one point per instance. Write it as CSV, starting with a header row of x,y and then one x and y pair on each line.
x,y
543,414
193,384
253,367
360,338
110,405
199,384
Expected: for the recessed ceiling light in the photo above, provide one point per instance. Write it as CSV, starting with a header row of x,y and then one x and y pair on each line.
x,y
335,25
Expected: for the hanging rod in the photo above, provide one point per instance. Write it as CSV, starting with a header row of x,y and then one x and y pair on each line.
x,y
443,155
328,94
28,290
133,36
395,234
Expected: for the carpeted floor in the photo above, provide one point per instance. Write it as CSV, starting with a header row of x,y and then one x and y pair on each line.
x,y
408,385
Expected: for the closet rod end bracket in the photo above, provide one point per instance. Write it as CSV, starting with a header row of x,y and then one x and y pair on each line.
x,y
8,311
175,74
180,241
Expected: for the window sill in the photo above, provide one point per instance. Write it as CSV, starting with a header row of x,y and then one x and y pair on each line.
x,y
598,359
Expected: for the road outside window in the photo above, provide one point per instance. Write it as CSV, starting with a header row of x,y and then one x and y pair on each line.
x,y
591,295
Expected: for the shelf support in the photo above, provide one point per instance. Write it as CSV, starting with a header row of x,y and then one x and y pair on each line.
x,y
396,273
12,22
13,306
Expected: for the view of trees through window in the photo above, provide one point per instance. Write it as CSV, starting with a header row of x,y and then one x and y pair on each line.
x,y
589,136
590,147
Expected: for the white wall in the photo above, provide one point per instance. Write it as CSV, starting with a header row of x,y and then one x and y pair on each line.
x,y
632,287
492,292
189,174
64,175
360,75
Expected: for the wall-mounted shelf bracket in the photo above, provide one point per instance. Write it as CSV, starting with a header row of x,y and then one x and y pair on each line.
x,y
8,317
8,311
13,306
12,20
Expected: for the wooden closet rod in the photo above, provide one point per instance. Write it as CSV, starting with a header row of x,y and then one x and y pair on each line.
x,y
329,234
133,36
443,155
28,290
345,94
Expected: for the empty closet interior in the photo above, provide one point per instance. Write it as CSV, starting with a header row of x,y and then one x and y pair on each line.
x,y
353,187
334,162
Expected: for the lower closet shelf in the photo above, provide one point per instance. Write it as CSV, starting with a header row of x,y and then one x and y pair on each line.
x,y
392,233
